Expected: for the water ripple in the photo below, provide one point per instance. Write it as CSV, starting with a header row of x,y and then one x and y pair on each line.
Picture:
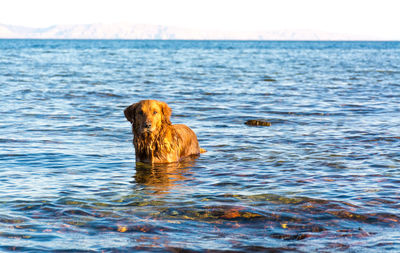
x,y
323,174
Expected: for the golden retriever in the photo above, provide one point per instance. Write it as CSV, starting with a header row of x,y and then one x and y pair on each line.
x,y
155,139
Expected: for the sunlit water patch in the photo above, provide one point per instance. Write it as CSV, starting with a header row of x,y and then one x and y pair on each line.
x,y
322,175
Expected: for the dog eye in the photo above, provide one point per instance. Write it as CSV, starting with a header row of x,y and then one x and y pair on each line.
x,y
140,112
155,112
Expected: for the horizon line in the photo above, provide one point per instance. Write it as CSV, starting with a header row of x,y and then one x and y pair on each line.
x,y
199,40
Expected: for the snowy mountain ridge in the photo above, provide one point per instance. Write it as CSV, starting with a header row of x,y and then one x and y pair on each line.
x,y
159,32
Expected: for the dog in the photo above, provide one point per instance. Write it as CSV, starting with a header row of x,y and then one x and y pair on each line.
x,y
155,139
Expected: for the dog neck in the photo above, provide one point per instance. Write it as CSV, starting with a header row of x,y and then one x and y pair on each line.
x,y
150,147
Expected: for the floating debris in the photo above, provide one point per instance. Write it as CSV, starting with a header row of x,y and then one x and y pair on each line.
x,y
254,122
268,79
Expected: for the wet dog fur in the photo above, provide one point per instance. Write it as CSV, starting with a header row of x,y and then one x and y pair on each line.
x,y
155,139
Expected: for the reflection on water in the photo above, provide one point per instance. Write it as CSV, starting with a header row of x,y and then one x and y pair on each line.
x,y
322,176
160,178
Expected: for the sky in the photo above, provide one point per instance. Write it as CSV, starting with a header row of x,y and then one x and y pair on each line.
x,y
377,18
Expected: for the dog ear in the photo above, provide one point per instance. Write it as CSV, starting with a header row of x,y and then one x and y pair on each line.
x,y
166,111
130,112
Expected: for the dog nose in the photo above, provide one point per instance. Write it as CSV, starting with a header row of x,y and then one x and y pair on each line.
x,y
147,125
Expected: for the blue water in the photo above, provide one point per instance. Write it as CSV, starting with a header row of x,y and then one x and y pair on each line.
x,y
325,175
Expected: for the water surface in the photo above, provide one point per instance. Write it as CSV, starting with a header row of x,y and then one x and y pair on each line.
x,y
323,177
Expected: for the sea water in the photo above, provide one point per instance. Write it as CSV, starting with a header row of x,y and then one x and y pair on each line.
x,y
324,176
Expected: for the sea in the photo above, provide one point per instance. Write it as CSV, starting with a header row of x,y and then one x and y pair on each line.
x,y
322,176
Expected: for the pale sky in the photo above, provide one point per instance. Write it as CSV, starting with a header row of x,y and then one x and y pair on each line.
x,y
378,18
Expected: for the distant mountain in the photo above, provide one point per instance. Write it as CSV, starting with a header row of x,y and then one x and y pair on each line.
x,y
129,31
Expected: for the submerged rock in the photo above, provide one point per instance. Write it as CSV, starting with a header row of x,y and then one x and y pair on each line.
x,y
254,122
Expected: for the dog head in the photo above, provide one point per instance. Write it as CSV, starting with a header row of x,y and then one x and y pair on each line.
x,y
148,116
